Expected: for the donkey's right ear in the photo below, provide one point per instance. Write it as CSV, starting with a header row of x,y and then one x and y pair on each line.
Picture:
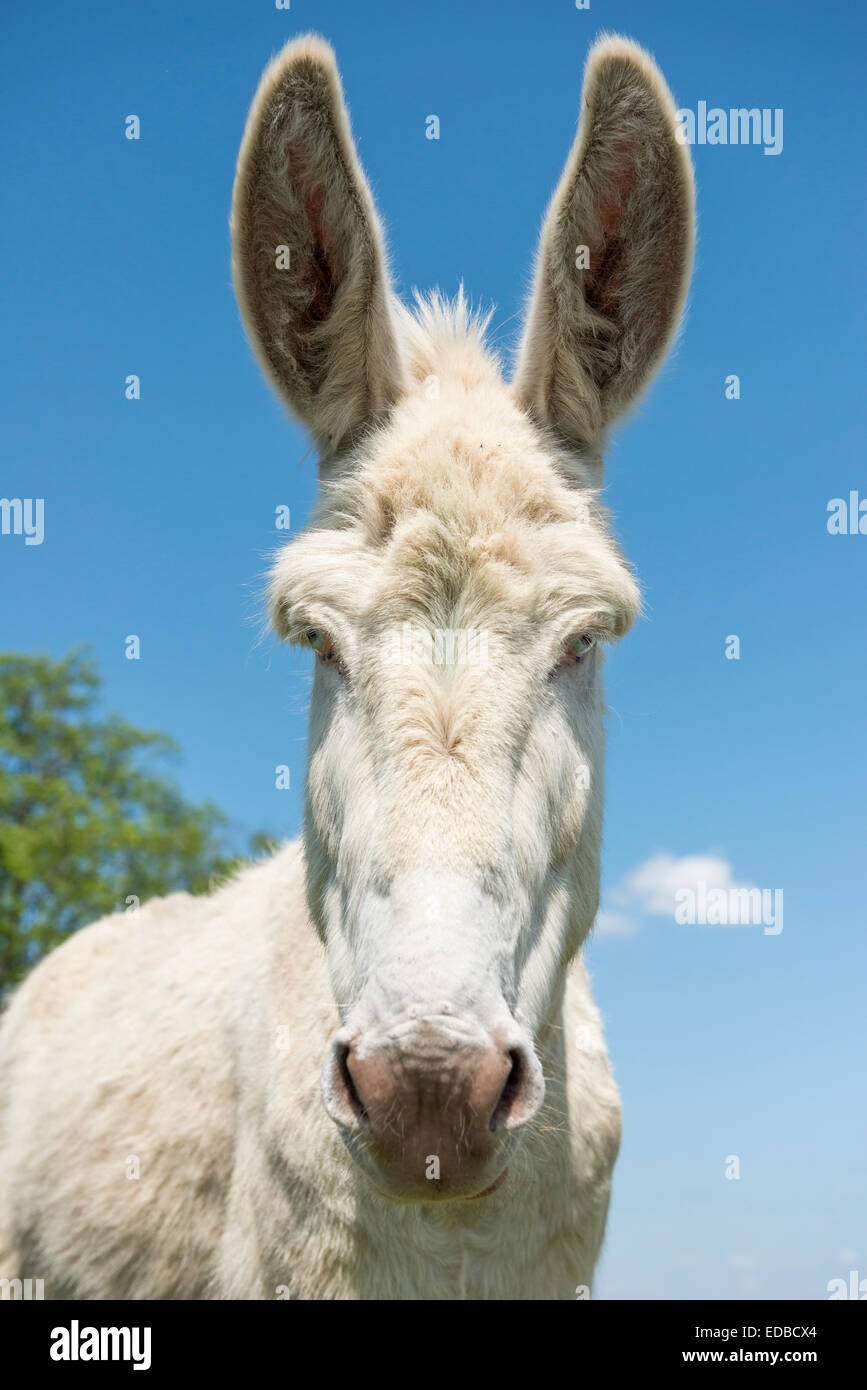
x,y
307,252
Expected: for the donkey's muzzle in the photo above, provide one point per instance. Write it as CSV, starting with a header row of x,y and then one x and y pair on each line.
x,y
430,1108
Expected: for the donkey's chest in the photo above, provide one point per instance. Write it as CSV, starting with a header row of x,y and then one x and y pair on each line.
x,y
529,1247
499,1258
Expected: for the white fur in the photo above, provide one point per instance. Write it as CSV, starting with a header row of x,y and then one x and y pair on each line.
x,y
453,821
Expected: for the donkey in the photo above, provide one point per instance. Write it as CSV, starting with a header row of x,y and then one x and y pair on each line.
x,y
371,1067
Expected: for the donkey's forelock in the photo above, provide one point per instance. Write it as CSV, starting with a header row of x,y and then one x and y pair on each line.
x,y
445,341
457,499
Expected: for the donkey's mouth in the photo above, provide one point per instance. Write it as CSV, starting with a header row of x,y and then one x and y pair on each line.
x,y
498,1182
433,1193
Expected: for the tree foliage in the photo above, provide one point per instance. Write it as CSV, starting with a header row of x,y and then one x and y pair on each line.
x,y
88,818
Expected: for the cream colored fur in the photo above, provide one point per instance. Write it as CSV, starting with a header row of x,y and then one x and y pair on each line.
x,y
191,1038
185,1042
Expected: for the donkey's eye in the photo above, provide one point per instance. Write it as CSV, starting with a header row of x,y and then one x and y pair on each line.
x,y
580,646
322,645
575,651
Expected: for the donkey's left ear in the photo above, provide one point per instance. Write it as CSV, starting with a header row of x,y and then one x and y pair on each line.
x,y
615,254
307,251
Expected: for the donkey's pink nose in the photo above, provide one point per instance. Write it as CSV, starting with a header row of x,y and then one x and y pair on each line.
x,y
433,1104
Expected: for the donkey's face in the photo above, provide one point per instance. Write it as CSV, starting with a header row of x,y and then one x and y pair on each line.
x,y
457,582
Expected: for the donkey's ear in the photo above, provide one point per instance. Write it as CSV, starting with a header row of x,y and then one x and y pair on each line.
x,y
615,253
307,251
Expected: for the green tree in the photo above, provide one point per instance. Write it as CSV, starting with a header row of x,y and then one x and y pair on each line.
x,y
87,815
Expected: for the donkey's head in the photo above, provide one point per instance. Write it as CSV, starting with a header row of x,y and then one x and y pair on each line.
x,y
457,582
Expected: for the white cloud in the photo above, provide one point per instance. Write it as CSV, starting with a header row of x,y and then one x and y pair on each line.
x,y
653,885
617,923
651,889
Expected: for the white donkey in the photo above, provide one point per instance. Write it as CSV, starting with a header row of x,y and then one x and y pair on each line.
x,y
414,962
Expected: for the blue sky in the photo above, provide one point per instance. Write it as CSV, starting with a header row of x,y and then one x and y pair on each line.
x,y
159,517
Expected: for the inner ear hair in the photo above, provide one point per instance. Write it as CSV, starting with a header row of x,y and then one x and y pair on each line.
x,y
308,258
615,253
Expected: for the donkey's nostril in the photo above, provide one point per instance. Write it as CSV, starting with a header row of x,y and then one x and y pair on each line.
x,y
507,1096
520,1096
350,1096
